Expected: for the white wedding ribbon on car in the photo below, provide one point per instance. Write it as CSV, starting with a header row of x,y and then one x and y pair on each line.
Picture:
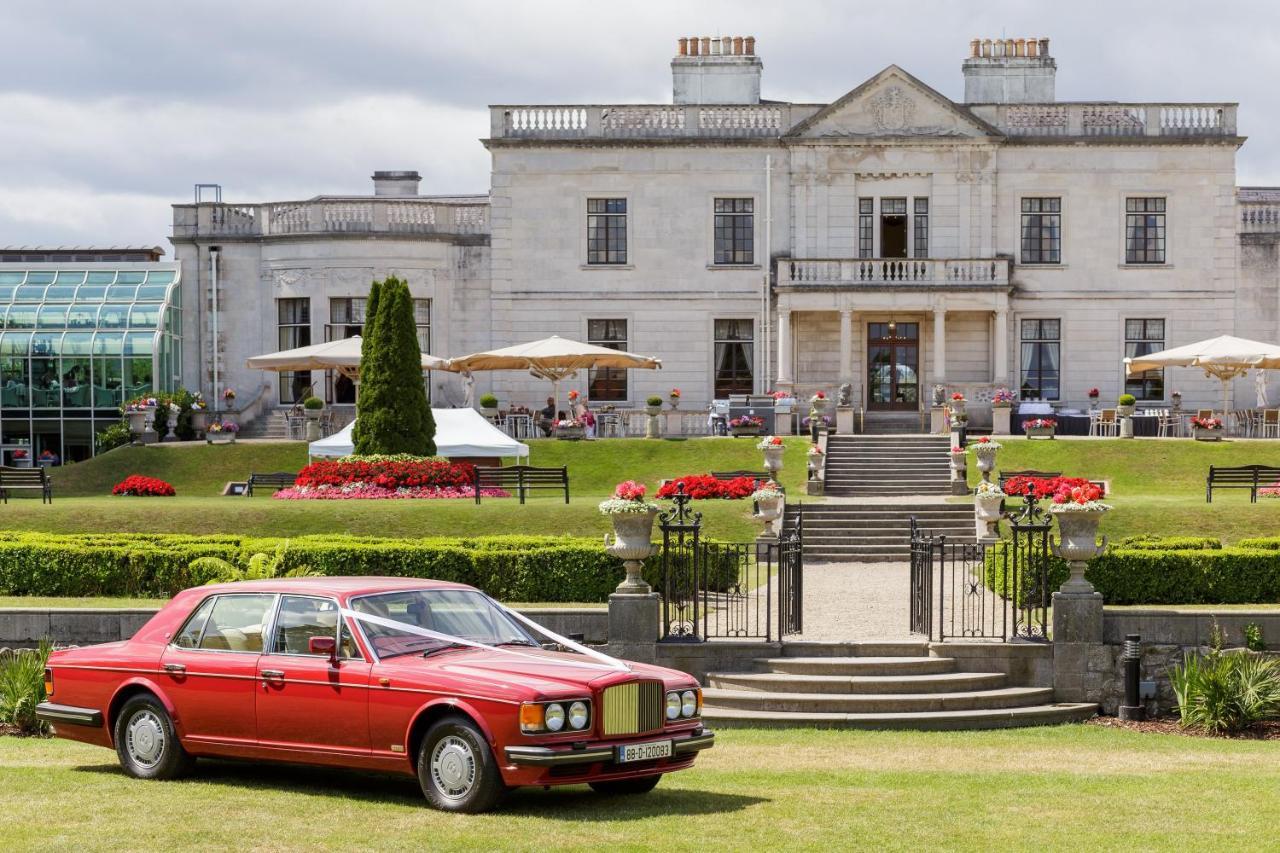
x,y
605,661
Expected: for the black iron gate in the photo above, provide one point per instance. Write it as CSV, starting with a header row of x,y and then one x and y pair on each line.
x,y
734,590
965,590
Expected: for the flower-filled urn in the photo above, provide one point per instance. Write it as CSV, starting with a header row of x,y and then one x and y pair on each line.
x,y
632,537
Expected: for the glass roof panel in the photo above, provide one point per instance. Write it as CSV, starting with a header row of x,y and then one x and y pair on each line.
x,y
108,343
152,292
160,277
12,277
102,276
130,277
91,292
82,317
60,292
139,343
144,317
53,317
6,292
15,343
39,277
45,344
77,343
30,293
122,291
70,277
113,316
21,317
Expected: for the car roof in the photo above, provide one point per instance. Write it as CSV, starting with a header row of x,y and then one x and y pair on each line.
x,y
334,586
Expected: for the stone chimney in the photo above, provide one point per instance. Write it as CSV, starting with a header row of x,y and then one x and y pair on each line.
x,y
396,183
1009,71
716,70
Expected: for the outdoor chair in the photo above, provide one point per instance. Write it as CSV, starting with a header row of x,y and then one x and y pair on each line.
x,y
1270,424
1106,424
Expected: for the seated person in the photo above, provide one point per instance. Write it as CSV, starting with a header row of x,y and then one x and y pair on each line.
x,y
547,415
588,421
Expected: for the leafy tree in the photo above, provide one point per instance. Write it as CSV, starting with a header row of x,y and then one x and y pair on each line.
x,y
392,414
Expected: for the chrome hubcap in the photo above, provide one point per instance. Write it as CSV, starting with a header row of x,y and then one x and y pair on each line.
x,y
453,767
144,738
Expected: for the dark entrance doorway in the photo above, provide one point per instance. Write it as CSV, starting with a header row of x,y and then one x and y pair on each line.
x,y
893,227
893,366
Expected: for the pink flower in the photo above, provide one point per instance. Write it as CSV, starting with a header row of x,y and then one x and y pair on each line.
x,y
630,490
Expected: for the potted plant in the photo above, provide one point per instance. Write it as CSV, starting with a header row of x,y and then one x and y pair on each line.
x,y
818,403
1078,510
1039,427
1001,411
569,429
653,405
1125,405
47,458
772,447
221,432
631,542
489,405
1206,429
959,457
21,458
988,497
674,398
1094,394
784,402
769,500
228,397
815,457
172,410
199,413
746,425
985,450
957,405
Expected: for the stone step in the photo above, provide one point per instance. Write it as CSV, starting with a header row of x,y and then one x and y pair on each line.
x,y
889,703
784,682
1033,715
860,665
856,648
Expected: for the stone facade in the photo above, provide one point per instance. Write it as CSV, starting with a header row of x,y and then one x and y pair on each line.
x,y
891,208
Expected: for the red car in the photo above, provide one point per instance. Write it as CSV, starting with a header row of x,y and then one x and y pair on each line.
x,y
375,674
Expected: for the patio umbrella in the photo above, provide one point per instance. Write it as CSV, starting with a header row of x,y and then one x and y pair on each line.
x,y
554,358
1224,357
342,356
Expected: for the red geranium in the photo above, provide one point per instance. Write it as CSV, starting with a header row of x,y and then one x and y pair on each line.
x,y
1043,487
137,485
706,487
389,474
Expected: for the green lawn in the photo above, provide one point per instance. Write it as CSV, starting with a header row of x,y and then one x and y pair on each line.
x,y
1062,788
1157,486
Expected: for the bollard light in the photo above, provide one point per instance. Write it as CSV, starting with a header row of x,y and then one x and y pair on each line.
x,y
1132,709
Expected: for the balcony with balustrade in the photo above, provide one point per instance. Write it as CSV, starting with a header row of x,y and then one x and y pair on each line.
x,y
645,121
799,274
1113,120
1258,209
461,219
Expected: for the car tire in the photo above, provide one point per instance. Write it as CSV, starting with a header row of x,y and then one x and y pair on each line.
x,y
147,742
643,785
456,768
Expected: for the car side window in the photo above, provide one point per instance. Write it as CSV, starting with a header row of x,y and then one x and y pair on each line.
x,y
189,636
236,623
303,617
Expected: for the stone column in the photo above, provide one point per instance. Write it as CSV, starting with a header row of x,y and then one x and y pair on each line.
x,y
1001,349
939,343
846,346
784,348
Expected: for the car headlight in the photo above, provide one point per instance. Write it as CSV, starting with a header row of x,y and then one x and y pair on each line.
x,y
688,703
555,717
578,715
673,706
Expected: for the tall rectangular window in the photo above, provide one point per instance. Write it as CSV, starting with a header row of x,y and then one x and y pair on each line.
x,y
293,324
1144,230
607,384
606,231
866,227
735,224
1041,359
920,225
1143,337
1042,231
347,316
734,357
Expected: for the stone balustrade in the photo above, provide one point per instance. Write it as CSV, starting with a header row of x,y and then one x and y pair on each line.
x,y
641,121
1259,210
855,272
425,216
1110,119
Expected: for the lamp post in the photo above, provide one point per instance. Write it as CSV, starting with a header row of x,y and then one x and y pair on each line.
x,y
1132,709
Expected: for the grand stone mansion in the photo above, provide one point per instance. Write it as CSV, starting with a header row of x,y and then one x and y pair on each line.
x,y
891,240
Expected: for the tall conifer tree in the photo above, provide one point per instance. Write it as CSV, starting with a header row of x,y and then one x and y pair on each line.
x,y
392,414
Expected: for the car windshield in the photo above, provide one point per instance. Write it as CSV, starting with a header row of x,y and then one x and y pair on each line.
x,y
462,613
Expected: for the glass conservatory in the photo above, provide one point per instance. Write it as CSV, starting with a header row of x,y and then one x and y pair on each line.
x,y
76,342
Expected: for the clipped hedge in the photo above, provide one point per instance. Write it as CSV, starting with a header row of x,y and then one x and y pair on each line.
x,y
1169,543
1266,543
1128,575
511,568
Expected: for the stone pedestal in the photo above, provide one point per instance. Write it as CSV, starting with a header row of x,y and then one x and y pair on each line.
x,y
633,618
1000,418
813,487
1126,427
844,420
937,420
782,423
653,427
1077,643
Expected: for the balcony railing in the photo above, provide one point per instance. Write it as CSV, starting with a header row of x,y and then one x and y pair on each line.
x,y
1259,209
868,272
642,121
1109,119
461,218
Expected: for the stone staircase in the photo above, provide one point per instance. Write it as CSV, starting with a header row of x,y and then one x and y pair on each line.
x,y
874,532
269,424
878,465
877,685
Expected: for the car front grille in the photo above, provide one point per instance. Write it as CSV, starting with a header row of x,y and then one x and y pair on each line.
x,y
633,708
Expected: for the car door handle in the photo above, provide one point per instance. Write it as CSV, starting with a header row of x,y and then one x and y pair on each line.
x,y
175,669
274,674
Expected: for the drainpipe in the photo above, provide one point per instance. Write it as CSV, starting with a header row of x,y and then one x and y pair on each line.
x,y
214,251
768,264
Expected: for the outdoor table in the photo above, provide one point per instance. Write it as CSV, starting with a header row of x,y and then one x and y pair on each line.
x,y
1143,425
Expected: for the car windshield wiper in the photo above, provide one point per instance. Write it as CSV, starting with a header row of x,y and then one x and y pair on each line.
x,y
446,647
517,642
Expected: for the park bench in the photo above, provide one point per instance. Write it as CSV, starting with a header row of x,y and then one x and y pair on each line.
x,y
522,479
25,478
278,480
1240,477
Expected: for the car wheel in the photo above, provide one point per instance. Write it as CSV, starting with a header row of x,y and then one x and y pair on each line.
x,y
147,742
643,785
456,768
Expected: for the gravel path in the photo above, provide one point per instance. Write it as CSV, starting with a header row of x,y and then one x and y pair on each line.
x,y
856,601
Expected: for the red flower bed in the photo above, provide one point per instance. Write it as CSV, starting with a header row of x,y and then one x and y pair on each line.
x,y
137,485
389,474
702,487
1042,487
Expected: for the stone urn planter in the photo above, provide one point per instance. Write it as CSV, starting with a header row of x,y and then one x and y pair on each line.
x,y
172,423
958,462
987,507
653,411
137,421
986,461
772,456
675,403
818,406
957,407
576,433
1077,544
632,542
199,419
1203,434
223,437
768,511
1126,411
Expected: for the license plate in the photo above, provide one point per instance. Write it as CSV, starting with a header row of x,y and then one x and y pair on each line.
x,y
644,751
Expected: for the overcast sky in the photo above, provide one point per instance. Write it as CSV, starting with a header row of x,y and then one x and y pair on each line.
x,y
112,111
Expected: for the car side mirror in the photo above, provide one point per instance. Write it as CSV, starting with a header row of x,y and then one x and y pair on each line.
x,y
327,646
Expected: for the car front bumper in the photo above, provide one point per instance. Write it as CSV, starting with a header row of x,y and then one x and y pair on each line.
x,y
50,712
546,756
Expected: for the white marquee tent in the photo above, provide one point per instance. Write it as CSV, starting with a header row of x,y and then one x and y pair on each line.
x,y
459,433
